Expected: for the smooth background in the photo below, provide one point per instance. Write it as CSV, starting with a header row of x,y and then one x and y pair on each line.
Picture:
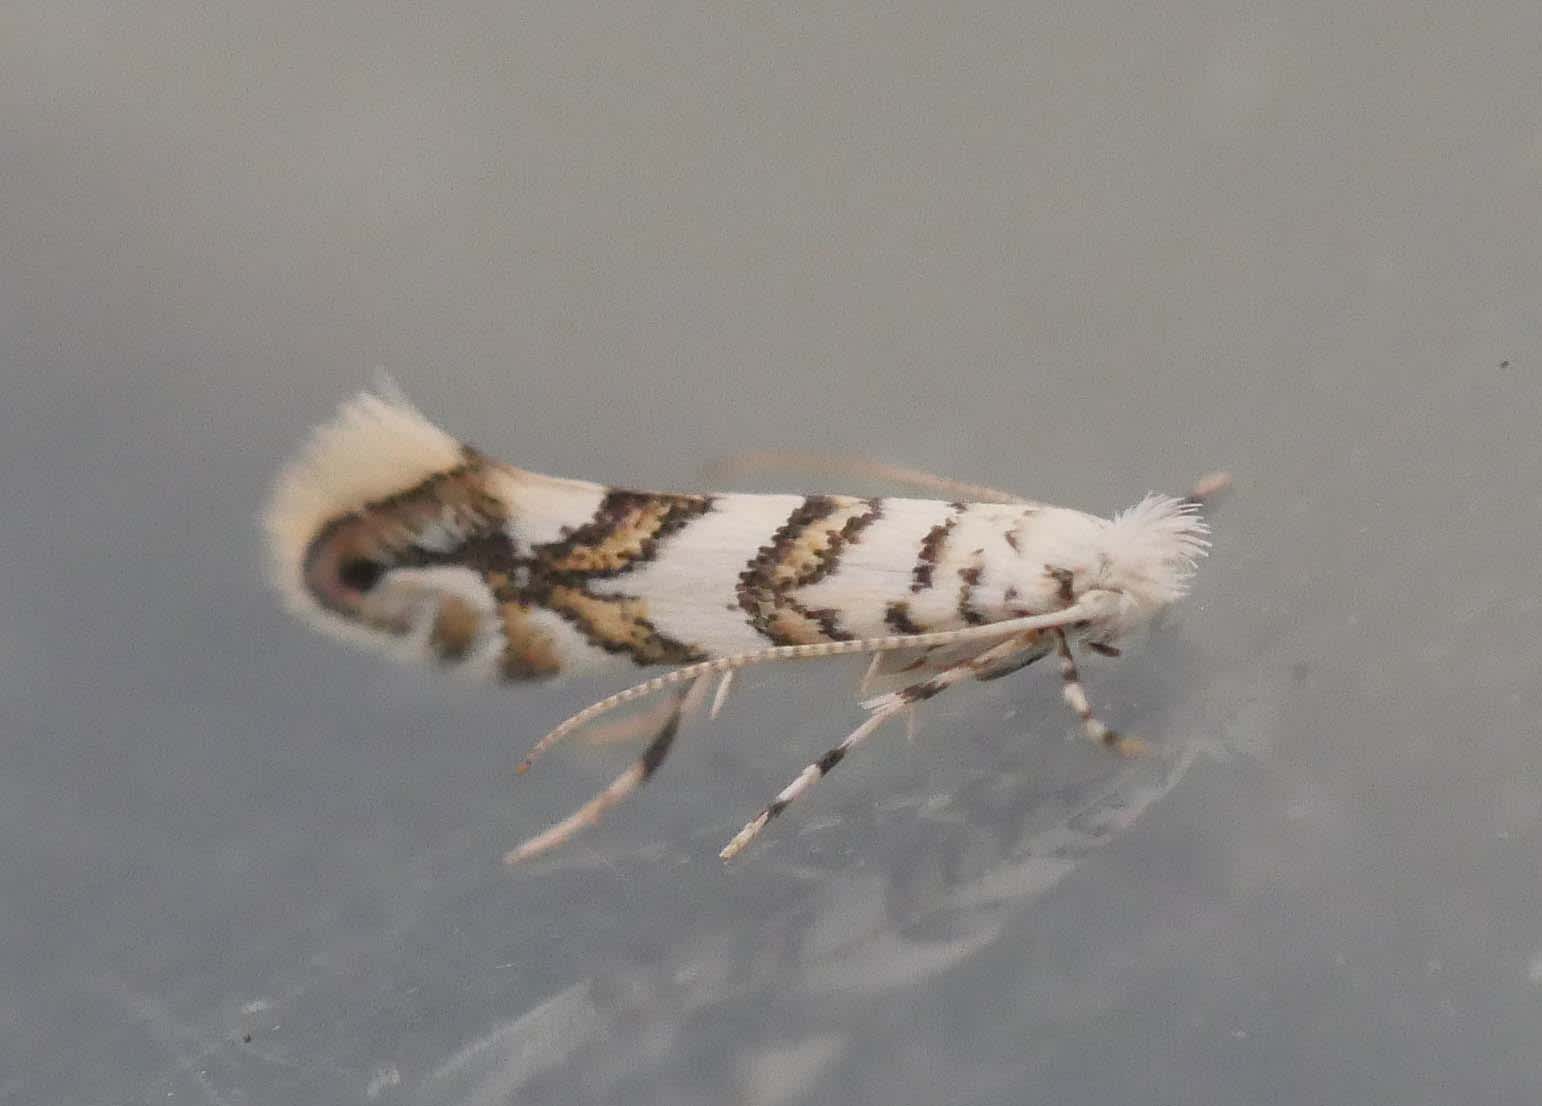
x,y
1081,250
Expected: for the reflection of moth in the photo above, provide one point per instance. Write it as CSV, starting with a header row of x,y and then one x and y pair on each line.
x,y
388,532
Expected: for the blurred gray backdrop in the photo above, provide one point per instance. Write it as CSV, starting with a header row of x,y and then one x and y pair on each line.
x,y
1078,250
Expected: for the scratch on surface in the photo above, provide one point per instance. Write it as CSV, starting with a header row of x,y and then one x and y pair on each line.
x,y
889,960
383,1079
491,1068
782,1073
1047,857
854,951
173,1036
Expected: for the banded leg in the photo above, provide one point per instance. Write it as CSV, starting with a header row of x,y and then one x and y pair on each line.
x,y
1075,696
1092,605
906,665
980,665
883,708
639,727
1013,665
686,701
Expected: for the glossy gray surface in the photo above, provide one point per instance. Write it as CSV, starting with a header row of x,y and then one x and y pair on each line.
x,y
1077,254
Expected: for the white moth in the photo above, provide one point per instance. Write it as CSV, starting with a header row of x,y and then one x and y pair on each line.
x,y
389,533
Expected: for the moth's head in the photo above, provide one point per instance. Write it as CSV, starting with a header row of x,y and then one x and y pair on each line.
x,y
1144,558
361,523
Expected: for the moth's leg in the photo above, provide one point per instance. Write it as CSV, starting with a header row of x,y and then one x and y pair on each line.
x,y
720,696
649,722
886,667
871,671
692,677
883,708
1092,605
1016,664
805,780
686,701
1075,695
889,669
859,468
642,725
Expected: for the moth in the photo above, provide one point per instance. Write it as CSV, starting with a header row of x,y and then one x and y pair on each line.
x,y
391,534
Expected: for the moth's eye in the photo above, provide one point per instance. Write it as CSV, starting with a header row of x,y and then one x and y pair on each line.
x,y
360,574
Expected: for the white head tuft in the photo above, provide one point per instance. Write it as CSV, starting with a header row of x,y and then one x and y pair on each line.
x,y
1150,551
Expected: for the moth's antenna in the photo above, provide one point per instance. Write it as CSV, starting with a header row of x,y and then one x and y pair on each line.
x,y
1209,488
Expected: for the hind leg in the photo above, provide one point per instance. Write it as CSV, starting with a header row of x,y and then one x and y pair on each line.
x,y
1075,696
686,701
883,708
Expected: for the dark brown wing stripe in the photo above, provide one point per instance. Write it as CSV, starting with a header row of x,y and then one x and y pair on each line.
x,y
626,531
969,579
804,550
898,617
931,550
829,559
618,624
758,581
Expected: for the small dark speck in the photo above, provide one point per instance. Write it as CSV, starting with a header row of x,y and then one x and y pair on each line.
x,y
1300,671
246,1038
1504,364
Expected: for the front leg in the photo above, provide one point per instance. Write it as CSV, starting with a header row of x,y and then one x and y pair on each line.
x,y
883,708
1076,698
